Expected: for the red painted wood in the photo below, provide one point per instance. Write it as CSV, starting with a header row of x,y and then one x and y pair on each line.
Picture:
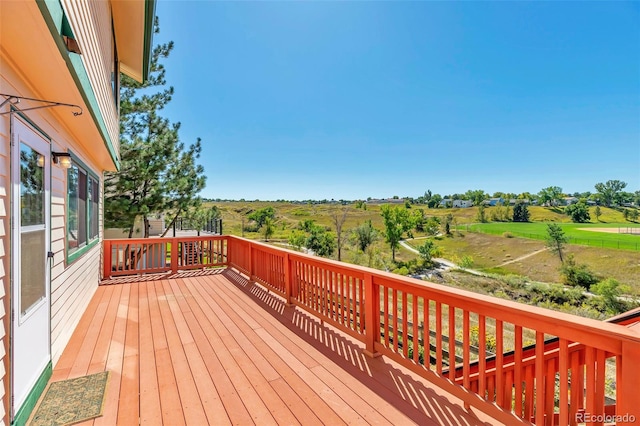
x,y
336,293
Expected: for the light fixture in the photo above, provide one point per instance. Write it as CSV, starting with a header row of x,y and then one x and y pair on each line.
x,y
40,161
62,158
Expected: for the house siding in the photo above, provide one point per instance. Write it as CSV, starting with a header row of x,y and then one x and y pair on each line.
x,y
5,250
72,284
91,25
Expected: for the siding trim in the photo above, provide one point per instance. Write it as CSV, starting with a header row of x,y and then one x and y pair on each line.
x,y
149,18
29,404
54,16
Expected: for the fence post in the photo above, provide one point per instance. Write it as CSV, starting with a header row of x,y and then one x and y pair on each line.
x,y
174,256
288,288
371,316
106,247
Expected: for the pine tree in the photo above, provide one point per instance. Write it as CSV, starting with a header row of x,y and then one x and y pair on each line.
x,y
157,174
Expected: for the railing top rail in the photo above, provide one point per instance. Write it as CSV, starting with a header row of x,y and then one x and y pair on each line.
x,y
542,319
157,240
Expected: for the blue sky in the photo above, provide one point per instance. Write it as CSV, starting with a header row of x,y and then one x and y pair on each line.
x,y
348,100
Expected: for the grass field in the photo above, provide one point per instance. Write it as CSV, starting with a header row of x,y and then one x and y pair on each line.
x,y
489,250
577,233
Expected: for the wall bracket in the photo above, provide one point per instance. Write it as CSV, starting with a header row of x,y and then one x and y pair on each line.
x,y
14,100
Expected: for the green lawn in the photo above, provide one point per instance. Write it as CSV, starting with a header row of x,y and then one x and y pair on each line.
x,y
575,231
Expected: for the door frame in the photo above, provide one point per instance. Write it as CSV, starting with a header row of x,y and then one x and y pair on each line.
x,y
22,409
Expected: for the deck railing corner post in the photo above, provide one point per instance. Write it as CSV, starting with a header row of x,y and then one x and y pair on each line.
x,y
174,256
371,307
287,280
250,271
627,395
226,253
106,259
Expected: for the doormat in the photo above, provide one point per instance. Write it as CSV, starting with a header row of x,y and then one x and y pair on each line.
x,y
72,401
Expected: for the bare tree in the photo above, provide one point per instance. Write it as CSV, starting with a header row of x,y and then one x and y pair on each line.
x,y
339,216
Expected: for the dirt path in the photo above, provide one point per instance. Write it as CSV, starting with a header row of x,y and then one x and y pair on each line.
x,y
444,262
522,257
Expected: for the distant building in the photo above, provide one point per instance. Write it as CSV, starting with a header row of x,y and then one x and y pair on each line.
x,y
462,203
569,200
493,201
385,201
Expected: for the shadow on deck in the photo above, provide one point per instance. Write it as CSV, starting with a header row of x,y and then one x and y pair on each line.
x,y
210,347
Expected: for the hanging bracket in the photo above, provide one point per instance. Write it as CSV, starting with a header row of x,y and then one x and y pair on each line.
x,y
14,100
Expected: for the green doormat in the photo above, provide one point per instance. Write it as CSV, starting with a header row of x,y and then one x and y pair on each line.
x,y
72,401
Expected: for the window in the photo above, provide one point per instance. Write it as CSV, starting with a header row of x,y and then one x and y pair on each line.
x,y
83,199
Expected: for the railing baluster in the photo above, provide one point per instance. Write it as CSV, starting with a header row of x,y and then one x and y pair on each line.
x,y
600,382
590,361
386,316
576,385
405,326
528,392
482,356
549,392
415,340
439,337
499,364
395,320
465,349
361,308
517,369
563,366
426,332
452,342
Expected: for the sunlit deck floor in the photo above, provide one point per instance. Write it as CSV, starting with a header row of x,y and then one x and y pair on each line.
x,y
212,348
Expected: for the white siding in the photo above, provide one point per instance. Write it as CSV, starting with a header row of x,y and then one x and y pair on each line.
x,y
5,237
72,285
91,25
5,249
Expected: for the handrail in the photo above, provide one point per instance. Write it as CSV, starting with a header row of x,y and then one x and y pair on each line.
x,y
392,314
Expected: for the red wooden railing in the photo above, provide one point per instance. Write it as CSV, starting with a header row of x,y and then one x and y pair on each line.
x,y
156,255
591,372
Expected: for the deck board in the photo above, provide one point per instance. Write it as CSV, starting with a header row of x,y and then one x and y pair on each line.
x,y
214,348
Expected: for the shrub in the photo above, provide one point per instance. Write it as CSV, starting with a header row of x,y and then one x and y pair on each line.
x,y
466,261
401,271
579,212
297,240
507,234
610,290
575,274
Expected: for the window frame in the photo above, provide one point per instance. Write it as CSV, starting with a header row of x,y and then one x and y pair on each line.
x,y
91,241
115,69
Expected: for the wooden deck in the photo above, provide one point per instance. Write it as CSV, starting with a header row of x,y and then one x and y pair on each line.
x,y
212,348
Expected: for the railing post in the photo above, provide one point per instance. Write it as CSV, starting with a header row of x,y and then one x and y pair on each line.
x,y
288,286
174,256
371,315
627,395
106,259
250,262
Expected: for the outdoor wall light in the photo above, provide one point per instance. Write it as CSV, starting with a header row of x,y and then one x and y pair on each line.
x,y
62,158
40,161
